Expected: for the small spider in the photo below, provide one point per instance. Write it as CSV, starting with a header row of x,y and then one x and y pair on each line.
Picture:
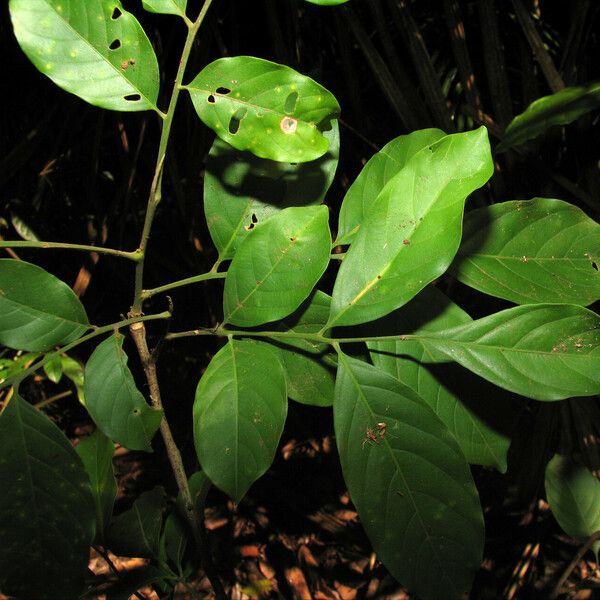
x,y
374,436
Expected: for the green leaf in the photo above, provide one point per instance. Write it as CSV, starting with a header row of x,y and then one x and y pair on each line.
x,y
574,496
11,367
413,229
46,508
93,49
475,412
266,108
166,7
114,402
309,366
529,251
37,310
241,189
53,369
239,413
176,532
277,266
96,454
542,351
74,371
137,531
327,2
411,484
384,165
560,108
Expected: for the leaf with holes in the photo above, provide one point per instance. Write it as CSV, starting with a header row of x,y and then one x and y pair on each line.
x,y
46,508
477,413
239,413
37,310
265,108
137,531
114,402
375,174
166,7
413,229
560,108
542,351
241,189
93,49
277,266
96,454
409,481
574,497
528,251
309,366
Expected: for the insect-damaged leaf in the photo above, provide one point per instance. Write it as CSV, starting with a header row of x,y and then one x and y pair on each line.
x,y
93,49
528,251
46,508
375,174
409,481
265,108
114,402
542,351
413,229
241,189
239,413
37,310
276,266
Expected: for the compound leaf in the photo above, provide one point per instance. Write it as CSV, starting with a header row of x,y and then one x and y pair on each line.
x,y
46,508
114,402
265,108
529,251
37,310
241,189
239,413
96,454
409,481
93,49
277,266
542,351
375,174
413,229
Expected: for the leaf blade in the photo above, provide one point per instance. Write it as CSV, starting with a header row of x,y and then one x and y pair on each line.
x,y
46,513
263,107
412,487
277,266
113,400
95,50
413,231
528,251
239,413
38,311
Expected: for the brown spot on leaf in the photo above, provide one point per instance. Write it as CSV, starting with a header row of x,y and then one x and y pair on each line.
x,y
288,125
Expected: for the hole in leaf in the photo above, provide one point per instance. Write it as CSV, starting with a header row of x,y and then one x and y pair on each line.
x,y
288,125
254,218
211,99
290,103
223,90
236,119
594,265
116,14
136,411
293,238
132,97
251,225
115,44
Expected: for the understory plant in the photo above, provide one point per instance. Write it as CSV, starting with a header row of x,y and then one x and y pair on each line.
x,y
353,321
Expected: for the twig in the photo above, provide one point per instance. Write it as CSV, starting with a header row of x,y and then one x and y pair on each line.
x,y
567,572
135,255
